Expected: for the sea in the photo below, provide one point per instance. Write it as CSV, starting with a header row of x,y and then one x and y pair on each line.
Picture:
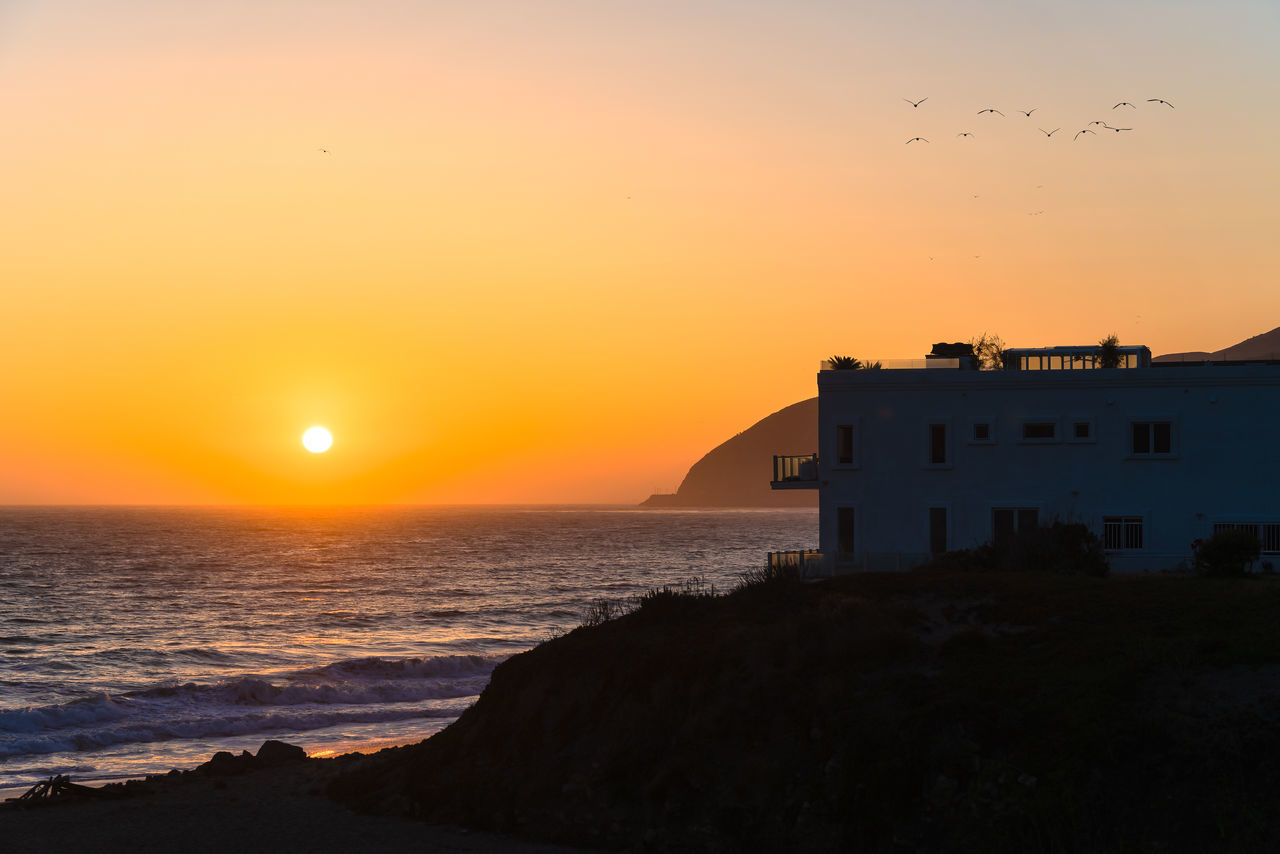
x,y
138,640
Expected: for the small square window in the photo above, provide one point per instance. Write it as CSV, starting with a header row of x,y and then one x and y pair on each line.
x,y
982,432
1082,430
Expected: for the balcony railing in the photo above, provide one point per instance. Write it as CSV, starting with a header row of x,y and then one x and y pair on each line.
x,y
795,472
805,563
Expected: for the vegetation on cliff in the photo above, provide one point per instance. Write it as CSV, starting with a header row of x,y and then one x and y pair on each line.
x,y
937,710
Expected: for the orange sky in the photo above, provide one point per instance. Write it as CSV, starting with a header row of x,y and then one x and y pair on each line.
x,y
556,251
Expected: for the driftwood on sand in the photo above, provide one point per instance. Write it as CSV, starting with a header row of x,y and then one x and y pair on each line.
x,y
58,788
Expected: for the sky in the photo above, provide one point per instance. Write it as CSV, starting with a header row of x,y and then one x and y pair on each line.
x,y
547,251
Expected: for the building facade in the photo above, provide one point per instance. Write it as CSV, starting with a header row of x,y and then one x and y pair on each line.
x,y
922,460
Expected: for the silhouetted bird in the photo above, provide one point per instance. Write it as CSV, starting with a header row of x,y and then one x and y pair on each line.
x,y
914,138
1086,130
990,110
1104,124
1124,104
1117,130
1048,132
965,133
916,103
1161,101
323,150
1028,113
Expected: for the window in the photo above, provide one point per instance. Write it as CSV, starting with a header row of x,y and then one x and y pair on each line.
x,y
1041,430
982,430
844,533
844,444
937,530
1268,533
938,444
1006,522
1152,437
1080,429
1121,533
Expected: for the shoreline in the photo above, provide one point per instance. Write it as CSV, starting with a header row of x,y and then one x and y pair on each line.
x,y
277,808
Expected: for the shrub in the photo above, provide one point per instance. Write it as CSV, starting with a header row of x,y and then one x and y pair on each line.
x,y
1228,552
1063,548
602,611
668,602
1109,355
769,574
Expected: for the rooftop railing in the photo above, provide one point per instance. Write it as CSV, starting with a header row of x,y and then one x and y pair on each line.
x,y
900,365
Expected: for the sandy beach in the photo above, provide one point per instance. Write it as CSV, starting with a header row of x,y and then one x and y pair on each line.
x,y
281,809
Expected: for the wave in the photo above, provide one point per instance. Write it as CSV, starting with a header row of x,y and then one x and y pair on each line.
x,y
85,739
433,666
359,690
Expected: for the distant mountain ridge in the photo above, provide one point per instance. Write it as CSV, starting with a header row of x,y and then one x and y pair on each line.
x,y
736,473
1264,346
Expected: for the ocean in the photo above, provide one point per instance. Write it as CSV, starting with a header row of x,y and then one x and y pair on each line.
x,y
138,640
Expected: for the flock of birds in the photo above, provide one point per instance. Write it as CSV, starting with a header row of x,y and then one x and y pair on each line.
x,y
1047,133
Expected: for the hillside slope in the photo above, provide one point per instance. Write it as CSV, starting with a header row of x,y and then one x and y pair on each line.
x,y
925,711
736,473
1264,346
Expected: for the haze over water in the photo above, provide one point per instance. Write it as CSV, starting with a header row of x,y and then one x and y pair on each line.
x,y
133,641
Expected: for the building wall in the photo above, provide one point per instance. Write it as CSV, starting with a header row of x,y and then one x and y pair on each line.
x,y
1224,463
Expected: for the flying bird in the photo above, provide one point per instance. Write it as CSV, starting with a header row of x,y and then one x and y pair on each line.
x,y
990,110
1104,124
1048,132
1028,113
1117,130
965,133
1124,104
916,103
1161,101
323,150
1086,130
914,138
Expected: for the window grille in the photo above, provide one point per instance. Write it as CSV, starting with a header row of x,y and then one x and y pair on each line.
x,y
1121,533
1268,533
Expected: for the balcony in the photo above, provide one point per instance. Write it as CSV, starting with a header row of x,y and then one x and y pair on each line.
x,y
795,472
805,563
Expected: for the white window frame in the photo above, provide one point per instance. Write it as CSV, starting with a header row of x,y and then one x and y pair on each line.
x,y
948,444
1151,420
990,421
1125,524
1072,421
1055,439
855,425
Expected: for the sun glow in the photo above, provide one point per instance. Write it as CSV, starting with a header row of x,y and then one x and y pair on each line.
x,y
317,440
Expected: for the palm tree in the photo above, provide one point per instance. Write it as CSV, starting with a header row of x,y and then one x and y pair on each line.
x,y
845,363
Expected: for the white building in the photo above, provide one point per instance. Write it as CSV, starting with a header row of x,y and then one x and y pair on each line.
x,y
938,456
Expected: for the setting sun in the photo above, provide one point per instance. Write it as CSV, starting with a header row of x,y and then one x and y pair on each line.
x,y
317,440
